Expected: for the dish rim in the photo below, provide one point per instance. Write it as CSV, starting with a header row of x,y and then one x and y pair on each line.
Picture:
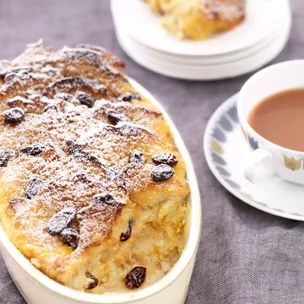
x,y
195,220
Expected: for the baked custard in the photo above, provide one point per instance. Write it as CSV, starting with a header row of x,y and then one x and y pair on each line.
x,y
198,19
93,189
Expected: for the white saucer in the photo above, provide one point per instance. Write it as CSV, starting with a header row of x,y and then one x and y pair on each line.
x,y
227,152
263,17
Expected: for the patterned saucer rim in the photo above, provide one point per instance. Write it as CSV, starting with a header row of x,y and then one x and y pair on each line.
x,y
228,109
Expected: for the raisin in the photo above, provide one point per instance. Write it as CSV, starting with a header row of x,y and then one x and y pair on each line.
x,y
82,178
165,158
52,108
26,151
107,199
85,99
32,150
136,277
127,97
61,220
69,237
162,172
13,116
93,282
126,235
131,130
77,152
138,157
94,160
114,118
4,156
74,149
32,188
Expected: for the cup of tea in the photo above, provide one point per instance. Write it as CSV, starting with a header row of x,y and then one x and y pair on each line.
x,y
271,113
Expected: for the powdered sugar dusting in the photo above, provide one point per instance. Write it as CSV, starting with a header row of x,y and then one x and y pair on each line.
x,y
64,153
78,144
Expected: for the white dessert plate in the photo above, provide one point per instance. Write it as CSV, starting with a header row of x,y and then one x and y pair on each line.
x,y
227,152
195,61
191,64
209,72
263,17
204,60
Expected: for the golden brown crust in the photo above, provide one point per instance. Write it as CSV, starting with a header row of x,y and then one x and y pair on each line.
x,y
113,61
76,147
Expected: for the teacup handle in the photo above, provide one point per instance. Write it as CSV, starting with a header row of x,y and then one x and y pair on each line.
x,y
259,166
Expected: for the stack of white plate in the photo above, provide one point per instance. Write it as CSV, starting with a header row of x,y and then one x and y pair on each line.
x,y
252,44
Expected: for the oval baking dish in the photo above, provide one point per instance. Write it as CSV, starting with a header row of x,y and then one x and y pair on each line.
x,y
38,288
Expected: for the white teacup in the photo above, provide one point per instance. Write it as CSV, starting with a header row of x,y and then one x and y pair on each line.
x,y
272,158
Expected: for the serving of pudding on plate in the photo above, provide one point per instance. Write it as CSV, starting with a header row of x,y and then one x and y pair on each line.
x,y
199,19
93,189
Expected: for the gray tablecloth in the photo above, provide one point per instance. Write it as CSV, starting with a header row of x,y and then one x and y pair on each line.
x,y
246,256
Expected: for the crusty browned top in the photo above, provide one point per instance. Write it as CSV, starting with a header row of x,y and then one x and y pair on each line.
x,y
81,122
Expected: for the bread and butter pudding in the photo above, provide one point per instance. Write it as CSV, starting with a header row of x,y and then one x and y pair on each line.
x,y
198,19
93,189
